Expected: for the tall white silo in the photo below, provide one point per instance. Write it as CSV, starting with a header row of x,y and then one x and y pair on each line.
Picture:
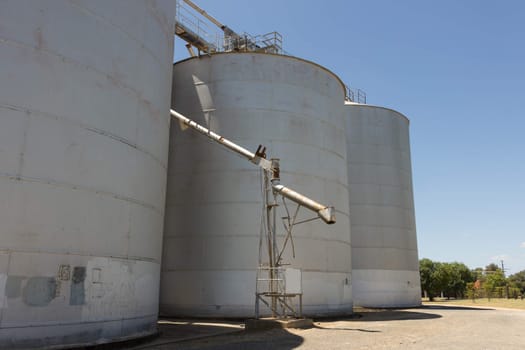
x,y
385,266
84,100
214,202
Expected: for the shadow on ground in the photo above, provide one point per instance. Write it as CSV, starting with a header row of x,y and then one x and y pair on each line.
x,y
364,315
451,307
185,329
278,339
396,315
407,314
225,335
173,332
212,335
347,329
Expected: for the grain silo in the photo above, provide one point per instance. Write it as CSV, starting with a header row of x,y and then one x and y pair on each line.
x,y
84,100
213,211
385,267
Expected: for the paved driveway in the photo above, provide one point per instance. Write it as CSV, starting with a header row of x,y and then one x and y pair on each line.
x,y
429,327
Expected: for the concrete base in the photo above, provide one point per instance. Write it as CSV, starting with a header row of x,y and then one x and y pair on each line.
x,y
267,323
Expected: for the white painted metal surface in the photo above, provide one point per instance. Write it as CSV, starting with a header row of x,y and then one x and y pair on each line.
x,y
214,201
385,267
84,99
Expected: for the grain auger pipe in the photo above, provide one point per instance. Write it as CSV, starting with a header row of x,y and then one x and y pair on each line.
x,y
223,27
326,213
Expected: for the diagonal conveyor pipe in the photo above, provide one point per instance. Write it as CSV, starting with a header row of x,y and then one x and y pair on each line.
x,y
326,213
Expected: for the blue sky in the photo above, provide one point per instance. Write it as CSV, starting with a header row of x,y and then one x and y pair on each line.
x,y
456,69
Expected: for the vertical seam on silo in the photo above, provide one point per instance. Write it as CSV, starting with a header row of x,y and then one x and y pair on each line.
x,y
23,147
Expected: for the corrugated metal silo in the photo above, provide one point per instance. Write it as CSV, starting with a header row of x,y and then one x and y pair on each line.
x,y
385,267
214,201
84,99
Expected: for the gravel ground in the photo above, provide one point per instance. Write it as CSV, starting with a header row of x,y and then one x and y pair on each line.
x,y
429,327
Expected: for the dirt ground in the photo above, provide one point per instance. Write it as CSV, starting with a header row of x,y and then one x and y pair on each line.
x,y
429,327
517,303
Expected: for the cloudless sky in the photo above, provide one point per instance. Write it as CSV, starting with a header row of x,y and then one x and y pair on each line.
x,y
456,69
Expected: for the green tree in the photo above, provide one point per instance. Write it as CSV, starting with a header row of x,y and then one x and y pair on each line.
x,y
452,279
459,275
472,292
517,282
443,277
492,267
478,273
427,270
493,280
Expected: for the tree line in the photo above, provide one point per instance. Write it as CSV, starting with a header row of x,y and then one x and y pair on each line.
x,y
457,280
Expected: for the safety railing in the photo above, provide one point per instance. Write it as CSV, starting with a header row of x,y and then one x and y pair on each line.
x,y
197,28
276,288
355,95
